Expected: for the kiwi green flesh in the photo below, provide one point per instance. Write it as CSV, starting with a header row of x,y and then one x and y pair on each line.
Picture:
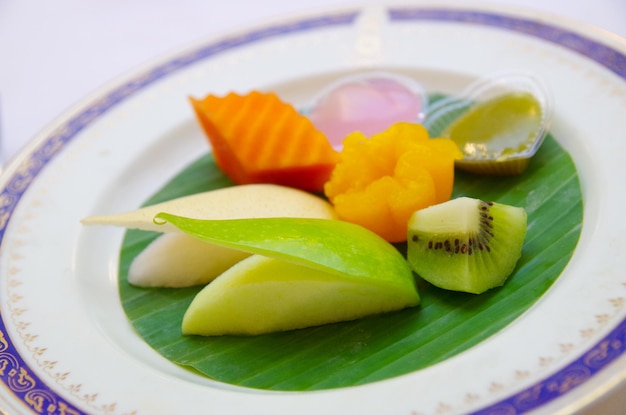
x,y
466,244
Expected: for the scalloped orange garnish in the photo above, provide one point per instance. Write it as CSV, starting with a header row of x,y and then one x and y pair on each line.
x,y
258,138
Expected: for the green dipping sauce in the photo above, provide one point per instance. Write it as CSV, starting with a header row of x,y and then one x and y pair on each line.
x,y
507,125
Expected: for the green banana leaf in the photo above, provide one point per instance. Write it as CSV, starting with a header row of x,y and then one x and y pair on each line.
x,y
379,347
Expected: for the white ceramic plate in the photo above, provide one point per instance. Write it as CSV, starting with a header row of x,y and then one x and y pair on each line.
x,y
66,346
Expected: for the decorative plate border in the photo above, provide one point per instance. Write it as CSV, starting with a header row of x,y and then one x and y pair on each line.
x,y
35,394
610,58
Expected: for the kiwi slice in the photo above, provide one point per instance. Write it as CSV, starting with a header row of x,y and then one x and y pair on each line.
x,y
466,244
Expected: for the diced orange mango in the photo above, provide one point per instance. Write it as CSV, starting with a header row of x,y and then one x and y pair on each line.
x,y
380,181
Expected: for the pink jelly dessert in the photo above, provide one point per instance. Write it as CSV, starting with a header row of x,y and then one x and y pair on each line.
x,y
368,103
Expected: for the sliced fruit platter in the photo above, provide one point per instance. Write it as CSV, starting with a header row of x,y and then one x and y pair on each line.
x,y
287,261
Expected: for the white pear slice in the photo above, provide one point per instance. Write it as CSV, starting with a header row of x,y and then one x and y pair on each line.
x,y
175,259
236,202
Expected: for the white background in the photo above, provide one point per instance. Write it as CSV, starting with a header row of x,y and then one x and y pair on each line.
x,y
53,53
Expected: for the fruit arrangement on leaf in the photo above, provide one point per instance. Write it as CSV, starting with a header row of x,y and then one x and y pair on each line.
x,y
274,257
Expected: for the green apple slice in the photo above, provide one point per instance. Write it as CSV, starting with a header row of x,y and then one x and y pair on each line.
x,y
308,272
